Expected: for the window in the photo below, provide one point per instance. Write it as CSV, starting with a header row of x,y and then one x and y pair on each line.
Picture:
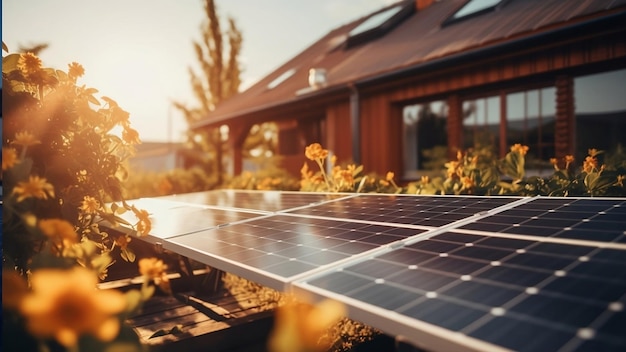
x,y
379,23
473,7
425,142
530,120
481,122
280,79
600,102
375,20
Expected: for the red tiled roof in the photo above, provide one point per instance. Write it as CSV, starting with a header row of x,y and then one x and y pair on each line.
x,y
418,40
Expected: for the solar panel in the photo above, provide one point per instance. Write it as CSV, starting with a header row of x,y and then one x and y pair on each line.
x,y
514,294
278,248
445,272
432,211
585,219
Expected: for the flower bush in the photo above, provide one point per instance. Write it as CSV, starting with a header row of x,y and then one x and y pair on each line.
x,y
63,155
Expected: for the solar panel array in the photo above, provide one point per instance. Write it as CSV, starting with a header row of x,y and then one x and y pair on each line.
x,y
445,272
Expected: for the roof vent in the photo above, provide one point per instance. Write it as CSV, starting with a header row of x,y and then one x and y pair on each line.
x,y
317,78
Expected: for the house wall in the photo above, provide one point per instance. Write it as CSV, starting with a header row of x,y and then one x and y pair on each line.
x,y
552,63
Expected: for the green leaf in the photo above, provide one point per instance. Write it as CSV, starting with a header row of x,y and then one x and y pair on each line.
x,y
9,63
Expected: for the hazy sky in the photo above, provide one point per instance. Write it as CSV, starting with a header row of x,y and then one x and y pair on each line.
x,y
137,51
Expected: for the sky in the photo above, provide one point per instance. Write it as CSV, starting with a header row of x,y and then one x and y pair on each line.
x,y
137,52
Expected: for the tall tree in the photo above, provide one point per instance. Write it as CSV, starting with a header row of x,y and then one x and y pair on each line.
x,y
219,78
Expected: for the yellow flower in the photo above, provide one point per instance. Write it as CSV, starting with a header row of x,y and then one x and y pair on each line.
x,y
594,152
14,288
155,269
9,158
299,326
451,167
518,148
29,64
152,267
89,205
25,139
590,164
65,304
75,70
620,180
59,231
130,136
122,241
315,152
144,225
389,176
425,180
36,187
467,182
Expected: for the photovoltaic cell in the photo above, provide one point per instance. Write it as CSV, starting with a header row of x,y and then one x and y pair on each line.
x,y
432,211
283,246
493,289
449,272
171,219
600,220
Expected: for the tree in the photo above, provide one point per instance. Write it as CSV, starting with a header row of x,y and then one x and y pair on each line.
x,y
219,78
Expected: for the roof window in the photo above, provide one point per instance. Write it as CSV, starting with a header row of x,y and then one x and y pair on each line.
x,y
473,8
280,79
380,23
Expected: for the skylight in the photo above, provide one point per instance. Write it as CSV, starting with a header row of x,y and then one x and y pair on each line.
x,y
280,79
375,20
474,6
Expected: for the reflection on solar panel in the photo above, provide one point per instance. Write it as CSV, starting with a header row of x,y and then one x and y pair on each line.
x,y
445,272
270,201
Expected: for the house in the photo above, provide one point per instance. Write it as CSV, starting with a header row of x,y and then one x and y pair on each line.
x,y
157,156
413,83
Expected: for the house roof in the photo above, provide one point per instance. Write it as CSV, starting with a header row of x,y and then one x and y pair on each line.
x,y
422,38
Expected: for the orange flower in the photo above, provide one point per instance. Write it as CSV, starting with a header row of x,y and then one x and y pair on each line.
x,y
14,288
130,136
518,148
65,304
122,241
36,187
25,139
315,152
155,269
569,159
59,231
144,225
89,205
9,158
75,70
299,326
29,64
590,164
389,176
467,182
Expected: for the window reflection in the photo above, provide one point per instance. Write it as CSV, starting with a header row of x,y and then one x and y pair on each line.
x,y
600,101
425,136
481,122
531,120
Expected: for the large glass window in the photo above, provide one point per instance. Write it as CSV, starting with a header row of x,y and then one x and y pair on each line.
x,y
530,120
481,122
425,137
600,103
